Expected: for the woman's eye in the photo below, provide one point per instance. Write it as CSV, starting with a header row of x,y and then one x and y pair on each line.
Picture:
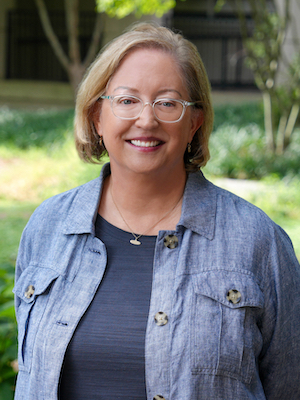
x,y
126,101
167,104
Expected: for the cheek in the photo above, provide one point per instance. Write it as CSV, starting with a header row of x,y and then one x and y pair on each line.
x,y
113,130
105,124
186,132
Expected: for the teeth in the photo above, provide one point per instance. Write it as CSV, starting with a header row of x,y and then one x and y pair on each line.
x,y
140,143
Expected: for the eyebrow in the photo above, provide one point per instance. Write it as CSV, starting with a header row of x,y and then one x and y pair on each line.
x,y
158,93
124,87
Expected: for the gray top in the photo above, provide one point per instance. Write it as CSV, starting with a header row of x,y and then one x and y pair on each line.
x,y
106,356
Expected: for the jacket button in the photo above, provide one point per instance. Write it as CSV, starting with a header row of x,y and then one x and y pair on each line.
x,y
29,291
234,296
171,241
158,397
161,318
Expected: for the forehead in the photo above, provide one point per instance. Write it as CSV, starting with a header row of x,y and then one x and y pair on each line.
x,y
145,67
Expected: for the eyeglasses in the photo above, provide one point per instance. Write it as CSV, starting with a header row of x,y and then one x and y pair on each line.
x,y
131,107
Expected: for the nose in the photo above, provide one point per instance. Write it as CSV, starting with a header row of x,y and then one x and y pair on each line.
x,y
147,118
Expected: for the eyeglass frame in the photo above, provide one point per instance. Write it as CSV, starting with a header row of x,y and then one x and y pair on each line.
x,y
184,104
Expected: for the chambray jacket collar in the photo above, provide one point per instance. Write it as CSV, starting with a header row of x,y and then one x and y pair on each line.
x,y
199,216
82,215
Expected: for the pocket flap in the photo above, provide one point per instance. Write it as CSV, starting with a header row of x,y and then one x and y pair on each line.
x,y
234,289
34,281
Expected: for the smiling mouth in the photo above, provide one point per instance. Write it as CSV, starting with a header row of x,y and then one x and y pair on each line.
x,y
141,143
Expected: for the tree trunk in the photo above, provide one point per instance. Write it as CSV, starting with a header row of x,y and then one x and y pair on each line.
x,y
291,124
268,119
95,42
280,134
75,74
72,63
50,34
72,22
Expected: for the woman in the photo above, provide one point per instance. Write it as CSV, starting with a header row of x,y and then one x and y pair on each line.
x,y
150,282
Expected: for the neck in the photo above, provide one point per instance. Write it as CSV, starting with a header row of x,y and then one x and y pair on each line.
x,y
139,189
142,200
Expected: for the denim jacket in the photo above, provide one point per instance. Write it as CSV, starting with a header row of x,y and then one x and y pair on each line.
x,y
226,283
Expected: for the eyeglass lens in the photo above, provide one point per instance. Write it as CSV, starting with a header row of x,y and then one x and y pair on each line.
x,y
130,107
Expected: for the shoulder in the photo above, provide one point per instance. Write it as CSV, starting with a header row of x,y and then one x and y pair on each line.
x,y
231,219
249,225
210,205
243,237
239,211
58,207
50,224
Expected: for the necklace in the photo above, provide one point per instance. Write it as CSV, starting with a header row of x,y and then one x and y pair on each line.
x,y
136,240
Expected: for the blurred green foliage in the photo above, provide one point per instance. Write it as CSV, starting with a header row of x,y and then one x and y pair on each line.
x,y
8,339
239,115
239,152
122,8
25,129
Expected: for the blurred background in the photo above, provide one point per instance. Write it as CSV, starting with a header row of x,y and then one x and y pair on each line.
x,y
251,50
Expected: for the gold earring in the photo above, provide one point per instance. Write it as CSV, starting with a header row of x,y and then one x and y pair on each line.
x,y
189,148
101,141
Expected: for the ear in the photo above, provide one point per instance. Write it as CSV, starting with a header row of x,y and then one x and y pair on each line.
x,y
197,119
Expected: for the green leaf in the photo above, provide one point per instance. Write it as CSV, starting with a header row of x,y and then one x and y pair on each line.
x,y
122,8
6,391
7,309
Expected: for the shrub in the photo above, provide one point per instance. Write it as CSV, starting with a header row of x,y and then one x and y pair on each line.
x,y
239,115
24,129
238,148
8,332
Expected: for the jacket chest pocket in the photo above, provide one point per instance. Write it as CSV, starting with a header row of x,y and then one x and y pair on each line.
x,y
31,291
225,336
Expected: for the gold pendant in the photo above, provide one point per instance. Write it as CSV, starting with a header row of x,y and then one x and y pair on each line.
x,y
135,242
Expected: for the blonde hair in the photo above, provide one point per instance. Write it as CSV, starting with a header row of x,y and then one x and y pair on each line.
x,y
143,35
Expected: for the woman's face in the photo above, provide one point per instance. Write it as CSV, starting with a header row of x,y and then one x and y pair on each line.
x,y
146,145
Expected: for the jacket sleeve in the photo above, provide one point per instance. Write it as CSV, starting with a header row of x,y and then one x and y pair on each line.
x,y
31,237
23,258
279,364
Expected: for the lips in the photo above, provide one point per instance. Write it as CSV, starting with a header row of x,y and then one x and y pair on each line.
x,y
146,143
